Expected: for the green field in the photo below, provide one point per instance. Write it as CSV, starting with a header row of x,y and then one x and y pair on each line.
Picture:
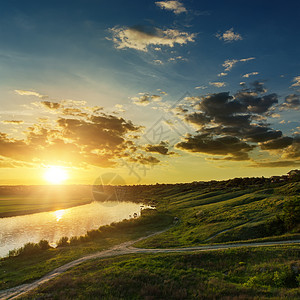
x,y
242,273
209,213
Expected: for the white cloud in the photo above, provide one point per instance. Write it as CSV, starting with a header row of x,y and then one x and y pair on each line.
x,y
201,87
229,36
250,74
297,81
229,63
162,92
175,6
120,107
174,59
218,84
275,115
30,93
222,74
141,38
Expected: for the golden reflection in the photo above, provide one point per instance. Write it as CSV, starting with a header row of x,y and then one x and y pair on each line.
x,y
59,213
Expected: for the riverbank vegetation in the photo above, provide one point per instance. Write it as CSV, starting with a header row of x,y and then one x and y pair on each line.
x,y
31,262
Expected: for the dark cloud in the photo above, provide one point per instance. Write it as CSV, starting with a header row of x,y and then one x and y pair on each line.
x,y
233,125
161,148
258,87
219,104
275,164
198,119
234,120
51,105
145,160
255,104
227,145
291,102
261,134
279,143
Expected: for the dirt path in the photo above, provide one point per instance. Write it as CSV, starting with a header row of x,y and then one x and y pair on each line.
x,y
124,248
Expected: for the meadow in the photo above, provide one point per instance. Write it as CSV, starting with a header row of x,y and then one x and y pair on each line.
x,y
207,213
243,273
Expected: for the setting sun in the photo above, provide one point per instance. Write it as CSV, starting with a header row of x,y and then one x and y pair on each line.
x,y
56,175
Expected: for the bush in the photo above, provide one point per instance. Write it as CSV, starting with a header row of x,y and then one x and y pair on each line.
x,y
30,248
44,244
27,249
63,242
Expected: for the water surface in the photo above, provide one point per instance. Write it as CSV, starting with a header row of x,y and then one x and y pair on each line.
x,y
51,226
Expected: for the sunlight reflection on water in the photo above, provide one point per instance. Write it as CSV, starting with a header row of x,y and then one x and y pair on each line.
x,y
75,221
59,213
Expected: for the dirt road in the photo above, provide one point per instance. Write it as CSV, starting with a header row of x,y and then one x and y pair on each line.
x,y
125,248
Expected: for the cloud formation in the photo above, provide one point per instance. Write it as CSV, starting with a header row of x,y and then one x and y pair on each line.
x,y
229,36
229,63
142,37
230,147
291,101
145,99
250,74
30,93
296,81
175,6
83,137
161,148
218,84
231,127
14,122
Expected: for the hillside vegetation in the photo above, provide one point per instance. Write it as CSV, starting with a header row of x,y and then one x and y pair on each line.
x,y
219,214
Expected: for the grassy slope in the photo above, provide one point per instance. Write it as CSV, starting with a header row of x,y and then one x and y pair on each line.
x,y
222,215
242,273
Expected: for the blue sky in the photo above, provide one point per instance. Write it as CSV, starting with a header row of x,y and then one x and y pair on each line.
x,y
136,59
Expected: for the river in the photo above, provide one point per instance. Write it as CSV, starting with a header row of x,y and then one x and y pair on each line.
x,y
51,226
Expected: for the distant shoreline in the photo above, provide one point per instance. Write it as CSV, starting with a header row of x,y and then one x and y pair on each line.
x,y
39,210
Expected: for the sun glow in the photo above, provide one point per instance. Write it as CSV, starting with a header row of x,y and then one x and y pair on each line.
x,y
56,175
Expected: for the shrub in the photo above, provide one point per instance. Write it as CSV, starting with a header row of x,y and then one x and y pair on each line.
x,y
44,244
63,242
27,249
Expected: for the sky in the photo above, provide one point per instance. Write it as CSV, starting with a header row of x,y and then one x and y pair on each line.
x,y
145,92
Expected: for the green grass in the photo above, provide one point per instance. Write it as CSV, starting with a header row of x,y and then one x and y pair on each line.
x,y
221,216
242,273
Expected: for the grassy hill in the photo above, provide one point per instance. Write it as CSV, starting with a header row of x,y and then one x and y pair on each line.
x,y
218,214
